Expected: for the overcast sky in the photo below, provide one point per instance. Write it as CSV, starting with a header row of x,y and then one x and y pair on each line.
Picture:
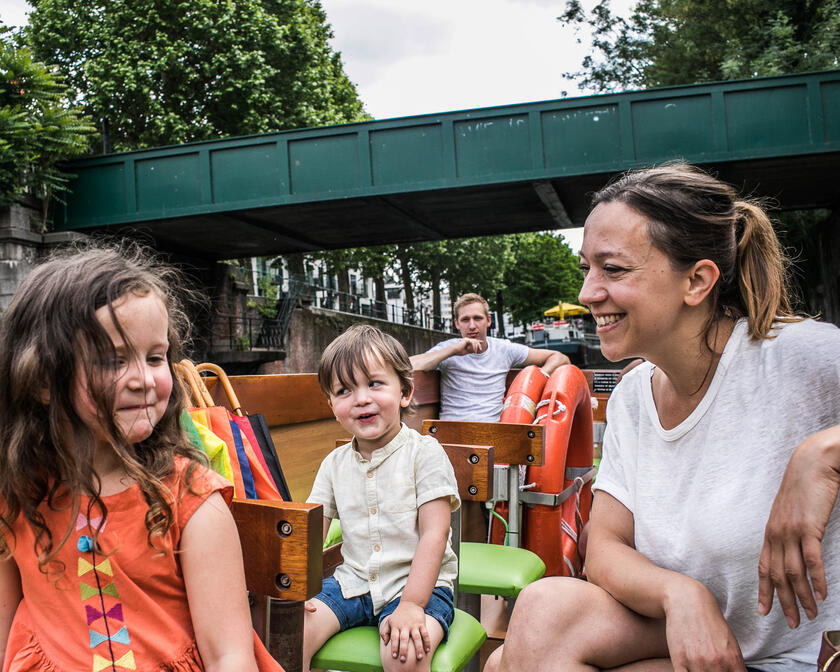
x,y
410,58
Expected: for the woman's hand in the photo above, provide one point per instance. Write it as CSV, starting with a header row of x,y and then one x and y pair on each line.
x,y
791,562
698,636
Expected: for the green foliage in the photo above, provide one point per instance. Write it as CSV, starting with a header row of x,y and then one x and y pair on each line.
x,y
543,272
671,42
479,264
531,271
165,72
37,127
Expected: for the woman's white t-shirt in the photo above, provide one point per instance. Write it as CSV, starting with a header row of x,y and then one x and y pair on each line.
x,y
701,493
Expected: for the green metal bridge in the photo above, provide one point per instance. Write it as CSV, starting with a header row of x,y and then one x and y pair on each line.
x,y
494,170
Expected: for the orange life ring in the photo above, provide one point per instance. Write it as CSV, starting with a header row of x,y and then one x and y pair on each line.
x,y
564,482
520,406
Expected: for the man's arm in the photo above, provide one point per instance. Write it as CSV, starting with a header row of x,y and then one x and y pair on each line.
x,y
547,360
429,360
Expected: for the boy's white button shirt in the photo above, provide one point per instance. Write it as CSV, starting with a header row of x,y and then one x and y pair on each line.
x,y
377,502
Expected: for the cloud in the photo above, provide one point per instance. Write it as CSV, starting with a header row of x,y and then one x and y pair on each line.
x,y
375,37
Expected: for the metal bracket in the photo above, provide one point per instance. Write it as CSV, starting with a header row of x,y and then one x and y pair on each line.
x,y
581,476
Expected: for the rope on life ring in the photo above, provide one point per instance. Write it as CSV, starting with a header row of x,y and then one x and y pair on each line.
x,y
558,502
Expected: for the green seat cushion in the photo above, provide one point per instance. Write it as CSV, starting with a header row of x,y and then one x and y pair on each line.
x,y
334,533
357,649
490,569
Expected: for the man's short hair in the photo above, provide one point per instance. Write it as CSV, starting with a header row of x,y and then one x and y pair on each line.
x,y
348,354
467,299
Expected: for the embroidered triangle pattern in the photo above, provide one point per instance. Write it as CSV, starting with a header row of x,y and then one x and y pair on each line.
x,y
114,612
83,521
126,662
89,591
104,567
120,636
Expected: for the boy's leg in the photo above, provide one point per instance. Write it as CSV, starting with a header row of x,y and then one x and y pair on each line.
x,y
411,664
318,626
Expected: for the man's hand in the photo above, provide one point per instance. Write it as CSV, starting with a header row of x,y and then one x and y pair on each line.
x,y
792,550
406,630
470,346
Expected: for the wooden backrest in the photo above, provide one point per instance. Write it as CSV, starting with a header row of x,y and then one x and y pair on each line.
x,y
512,443
473,466
281,547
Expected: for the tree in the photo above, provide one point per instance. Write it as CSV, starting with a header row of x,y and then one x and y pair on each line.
x,y
157,72
544,272
671,42
38,128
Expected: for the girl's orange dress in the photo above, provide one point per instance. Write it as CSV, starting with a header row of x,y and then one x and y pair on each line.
x,y
125,610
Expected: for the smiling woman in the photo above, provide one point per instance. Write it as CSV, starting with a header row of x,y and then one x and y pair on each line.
x,y
682,272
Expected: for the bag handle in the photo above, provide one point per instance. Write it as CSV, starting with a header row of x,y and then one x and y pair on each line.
x,y
201,395
186,377
829,657
225,382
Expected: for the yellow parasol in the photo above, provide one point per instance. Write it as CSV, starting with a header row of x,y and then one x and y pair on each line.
x,y
563,310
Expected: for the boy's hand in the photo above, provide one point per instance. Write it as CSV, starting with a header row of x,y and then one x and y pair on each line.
x,y
404,627
309,606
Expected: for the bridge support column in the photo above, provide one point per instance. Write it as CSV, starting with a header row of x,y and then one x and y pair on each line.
x,y
19,247
21,243
829,246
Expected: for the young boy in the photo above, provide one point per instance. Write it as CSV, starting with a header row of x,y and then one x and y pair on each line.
x,y
393,490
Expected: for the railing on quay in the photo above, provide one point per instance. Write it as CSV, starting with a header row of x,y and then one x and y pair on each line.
x,y
357,304
232,333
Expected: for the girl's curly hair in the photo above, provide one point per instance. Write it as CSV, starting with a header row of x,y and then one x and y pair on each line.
x,y
50,338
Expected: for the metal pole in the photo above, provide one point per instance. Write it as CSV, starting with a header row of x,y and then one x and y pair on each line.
x,y
514,508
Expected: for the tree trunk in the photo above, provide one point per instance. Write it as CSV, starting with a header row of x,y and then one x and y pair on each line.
x,y
435,274
405,275
451,306
345,301
381,306
500,311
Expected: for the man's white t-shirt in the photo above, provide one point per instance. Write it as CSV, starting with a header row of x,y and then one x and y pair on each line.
x,y
472,387
701,493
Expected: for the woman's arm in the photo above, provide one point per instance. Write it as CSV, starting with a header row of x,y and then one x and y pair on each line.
x,y
10,596
792,550
408,622
211,560
698,636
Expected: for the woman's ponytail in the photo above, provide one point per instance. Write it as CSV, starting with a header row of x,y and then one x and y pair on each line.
x,y
762,270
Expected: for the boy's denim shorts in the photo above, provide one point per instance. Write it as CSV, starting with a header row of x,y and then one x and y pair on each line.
x,y
359,610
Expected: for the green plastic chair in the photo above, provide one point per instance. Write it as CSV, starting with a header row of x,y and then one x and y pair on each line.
x,y
357,649
490,569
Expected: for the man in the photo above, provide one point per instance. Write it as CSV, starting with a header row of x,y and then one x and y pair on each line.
x,y
473,368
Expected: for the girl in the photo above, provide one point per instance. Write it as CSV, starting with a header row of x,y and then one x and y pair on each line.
x,y
681,272
119,552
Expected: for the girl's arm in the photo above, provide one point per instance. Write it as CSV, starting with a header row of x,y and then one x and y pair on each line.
x,y
792,550
211,559
408,622
698,637
10,596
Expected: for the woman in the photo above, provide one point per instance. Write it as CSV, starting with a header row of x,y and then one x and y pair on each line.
x,y
682,273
